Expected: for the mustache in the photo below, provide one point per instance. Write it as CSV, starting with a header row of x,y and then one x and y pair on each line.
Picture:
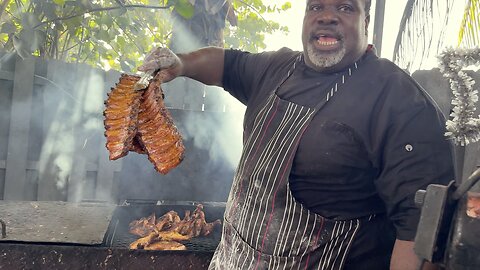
x,y
328,31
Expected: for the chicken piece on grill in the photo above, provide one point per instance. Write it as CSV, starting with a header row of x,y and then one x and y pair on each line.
x,y
143,226
121,114
150,224
194,224
170,227
158,134
166,245
167,221
172,236
156,236
141,243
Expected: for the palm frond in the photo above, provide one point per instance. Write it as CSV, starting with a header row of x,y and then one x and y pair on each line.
x,y
469,34
421,32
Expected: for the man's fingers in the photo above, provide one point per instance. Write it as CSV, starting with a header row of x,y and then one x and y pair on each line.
x,y
148,66
159,58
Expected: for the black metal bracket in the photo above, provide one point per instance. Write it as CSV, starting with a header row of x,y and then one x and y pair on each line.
x,y
433,227
4,229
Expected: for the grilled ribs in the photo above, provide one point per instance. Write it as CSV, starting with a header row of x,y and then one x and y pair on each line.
x,y
158,134
121,115
138,121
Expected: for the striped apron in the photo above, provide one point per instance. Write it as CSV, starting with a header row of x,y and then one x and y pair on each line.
x,y
264,226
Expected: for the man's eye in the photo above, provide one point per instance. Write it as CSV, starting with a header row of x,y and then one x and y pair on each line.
x,y
315,7
345,8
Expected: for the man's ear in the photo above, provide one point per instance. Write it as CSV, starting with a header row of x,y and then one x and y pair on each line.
x,y
367,22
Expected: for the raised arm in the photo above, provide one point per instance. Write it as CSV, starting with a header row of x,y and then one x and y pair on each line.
x,y
204,65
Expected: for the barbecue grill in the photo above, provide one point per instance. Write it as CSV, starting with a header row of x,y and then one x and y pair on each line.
x,y
40,242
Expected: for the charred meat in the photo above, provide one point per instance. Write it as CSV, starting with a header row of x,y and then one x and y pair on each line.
x,y
138,121
170,227
158,134
121,113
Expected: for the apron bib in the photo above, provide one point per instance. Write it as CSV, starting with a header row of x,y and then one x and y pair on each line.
x,y
264,226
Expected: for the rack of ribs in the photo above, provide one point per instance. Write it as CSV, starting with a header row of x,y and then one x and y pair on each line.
x,y
121,113
138,121
158,134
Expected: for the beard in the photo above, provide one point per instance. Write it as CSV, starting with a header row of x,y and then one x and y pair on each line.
x,y
324,60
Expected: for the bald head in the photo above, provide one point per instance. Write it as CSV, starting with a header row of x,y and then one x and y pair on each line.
x,y
368,3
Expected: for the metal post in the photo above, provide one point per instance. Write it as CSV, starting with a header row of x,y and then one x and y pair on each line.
x,y
378,26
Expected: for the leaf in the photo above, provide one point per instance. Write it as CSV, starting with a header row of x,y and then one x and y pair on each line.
x,y
470,26
8,28
185,9
103,35
80,38
59,2
415,40
286,6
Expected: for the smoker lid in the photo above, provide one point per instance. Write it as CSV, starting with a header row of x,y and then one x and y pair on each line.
x,y
57,222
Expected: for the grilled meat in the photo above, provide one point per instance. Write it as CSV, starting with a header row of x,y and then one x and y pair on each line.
x,y
150,224
158,134
166,245
194,224
167,237
143,226
170,227
138,121
121,114
144,241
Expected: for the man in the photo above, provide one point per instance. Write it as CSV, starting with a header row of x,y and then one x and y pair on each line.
x,y
336,143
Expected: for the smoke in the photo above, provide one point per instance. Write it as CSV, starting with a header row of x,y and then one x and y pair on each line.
x,y
73,104
67,146
220,131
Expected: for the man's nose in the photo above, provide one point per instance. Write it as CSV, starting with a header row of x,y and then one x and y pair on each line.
x,y
327,16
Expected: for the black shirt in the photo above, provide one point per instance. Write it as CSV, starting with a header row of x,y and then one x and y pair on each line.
x,y
368,150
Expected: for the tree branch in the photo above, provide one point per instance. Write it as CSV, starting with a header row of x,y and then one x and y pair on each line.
x,y
3,6
258,13
99,10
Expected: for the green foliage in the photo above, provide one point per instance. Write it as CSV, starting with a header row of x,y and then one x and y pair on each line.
x,y
117,33
469,34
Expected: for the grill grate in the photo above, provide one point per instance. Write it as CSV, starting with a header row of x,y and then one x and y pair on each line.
x,y
118,236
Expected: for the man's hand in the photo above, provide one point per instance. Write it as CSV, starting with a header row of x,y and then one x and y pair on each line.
x,y
404,258
166,61
204,65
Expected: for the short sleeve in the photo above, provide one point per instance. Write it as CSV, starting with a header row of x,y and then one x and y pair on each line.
x,y
244,72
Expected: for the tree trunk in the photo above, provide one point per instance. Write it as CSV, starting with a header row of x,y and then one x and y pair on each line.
x,y
203,29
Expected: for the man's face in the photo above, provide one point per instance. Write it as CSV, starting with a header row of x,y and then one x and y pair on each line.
x,y
334,33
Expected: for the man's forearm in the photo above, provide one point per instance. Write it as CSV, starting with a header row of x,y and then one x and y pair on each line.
x,y
404,258
204,65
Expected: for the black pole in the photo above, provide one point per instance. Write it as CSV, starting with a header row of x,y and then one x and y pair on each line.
x,y
378,25
459,163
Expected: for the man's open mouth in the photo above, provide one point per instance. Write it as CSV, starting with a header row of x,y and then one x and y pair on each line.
x,y
327,41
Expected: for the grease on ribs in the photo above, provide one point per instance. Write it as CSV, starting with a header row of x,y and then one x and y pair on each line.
x,y
158,134
138,121
170,228
121,113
